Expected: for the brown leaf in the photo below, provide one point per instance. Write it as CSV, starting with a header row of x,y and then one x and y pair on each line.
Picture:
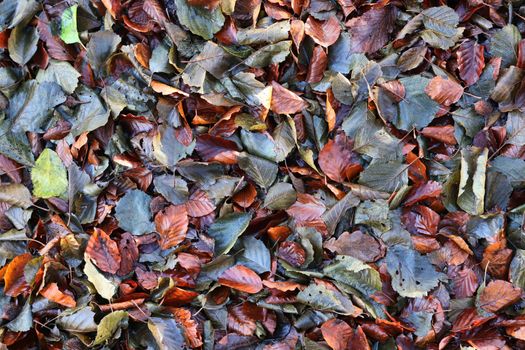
x,y
371,30
443,134
337,160
497,295
285,101
178,296
55,295
103,251
521,54
324,33
172,225
430,189
292,252
330,113
283,286
444,91
241,278
276,12
318,64
240,320
337,333
297,32
306,208
470,61
155,10
207,4
357,244
14,278
464,283
129,252
496,259
211,148
199,204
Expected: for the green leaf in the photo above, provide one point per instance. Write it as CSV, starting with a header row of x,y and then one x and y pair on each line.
x,y
269,54
355,273
504,44
441,27
413,275
62,73
386,176
321,298
68,26
22,43
200,21
416,109
15,194
227,229
280,196
255,255
260,170
78,321
49,176
105,288
472,180
32,104
109,325
133,213
167,333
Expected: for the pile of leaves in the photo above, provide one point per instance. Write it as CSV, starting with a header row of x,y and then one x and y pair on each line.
x,y
262,174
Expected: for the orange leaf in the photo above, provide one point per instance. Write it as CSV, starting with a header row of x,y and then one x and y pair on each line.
x,y
337,333
285,101
178,296
14,279
324,33
172,225
189,326
337,160
444,91
54,294
241,278
246,196
283,286
497,295
103,251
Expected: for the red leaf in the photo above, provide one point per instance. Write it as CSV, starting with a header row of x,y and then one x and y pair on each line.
x,y
178,296
103,251
521,54
444,91
241,278
337,160
189,326
470,61
55,295
172,225
129,252
497,295
324,33
207,4
285,101
430,189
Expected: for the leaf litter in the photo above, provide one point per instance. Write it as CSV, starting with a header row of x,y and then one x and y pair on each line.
x,y
262,174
